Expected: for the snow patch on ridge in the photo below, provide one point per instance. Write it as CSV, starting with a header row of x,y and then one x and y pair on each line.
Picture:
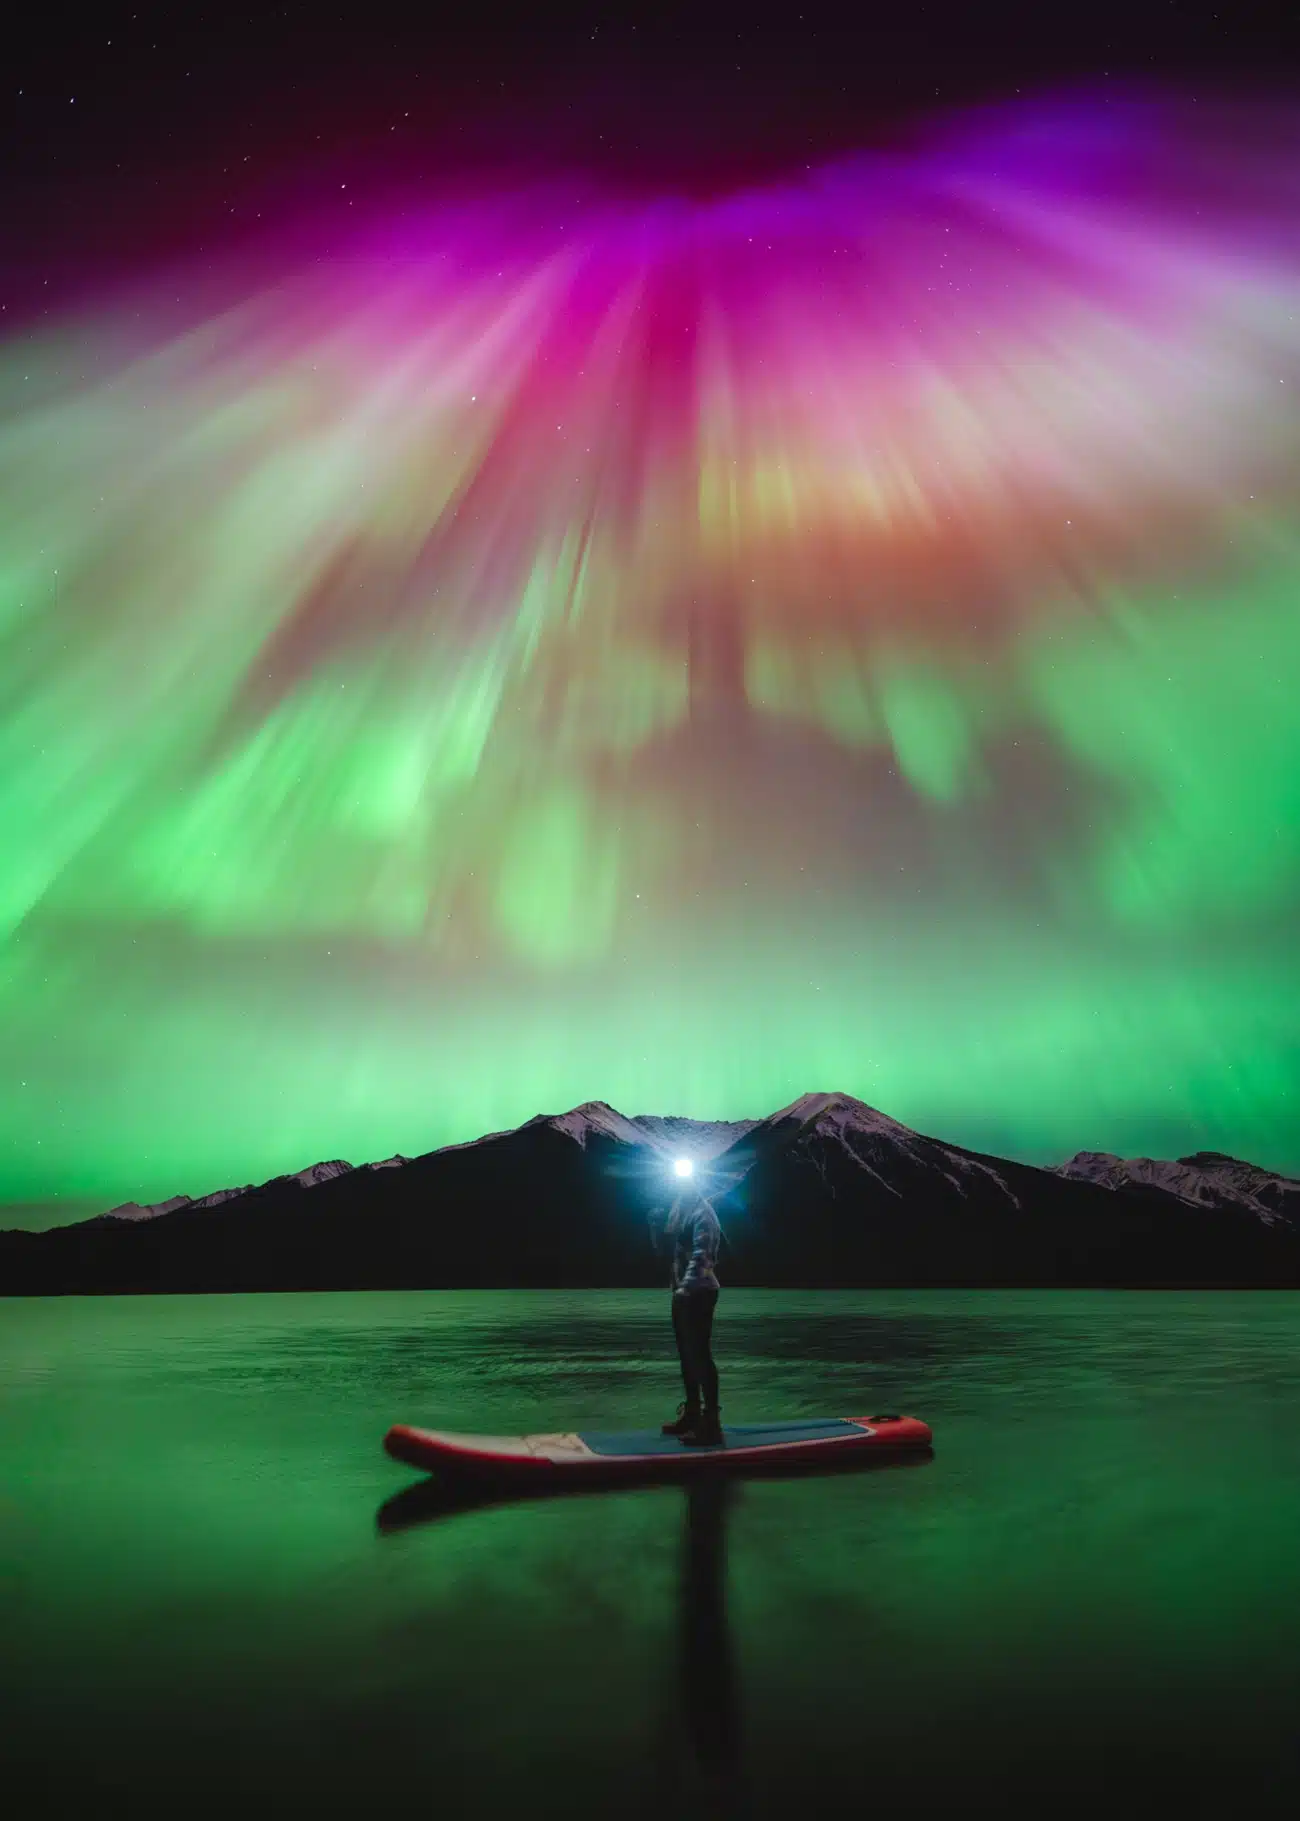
x,y
309,1178
1207,1179
699,1139
215,1199
134,1210
317,1173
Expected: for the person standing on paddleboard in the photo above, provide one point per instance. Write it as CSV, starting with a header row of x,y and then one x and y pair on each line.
x,y
695,1236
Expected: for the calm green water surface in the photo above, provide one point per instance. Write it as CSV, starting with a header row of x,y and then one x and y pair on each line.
x,y
1091,1591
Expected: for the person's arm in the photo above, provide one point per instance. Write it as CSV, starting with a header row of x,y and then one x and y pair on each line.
x,y
706,1237
673,1230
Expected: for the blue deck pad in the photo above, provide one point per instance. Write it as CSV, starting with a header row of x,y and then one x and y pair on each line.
x,y
737,1435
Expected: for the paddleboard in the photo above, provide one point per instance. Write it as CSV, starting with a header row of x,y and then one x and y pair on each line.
x,y
646,1454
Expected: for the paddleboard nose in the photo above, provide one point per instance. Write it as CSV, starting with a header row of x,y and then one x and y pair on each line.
x,y
908,1429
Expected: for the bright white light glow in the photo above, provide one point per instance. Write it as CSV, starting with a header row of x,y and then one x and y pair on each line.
x,y
684,1166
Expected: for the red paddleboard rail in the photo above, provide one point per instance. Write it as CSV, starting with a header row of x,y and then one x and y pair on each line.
x,y
568,1457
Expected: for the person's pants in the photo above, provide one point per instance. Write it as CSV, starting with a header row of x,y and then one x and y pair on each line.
x,y
693,1327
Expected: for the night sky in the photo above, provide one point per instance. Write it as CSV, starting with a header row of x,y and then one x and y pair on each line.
x,y
678,562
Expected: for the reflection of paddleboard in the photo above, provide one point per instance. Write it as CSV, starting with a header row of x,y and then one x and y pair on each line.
x,y
646,1454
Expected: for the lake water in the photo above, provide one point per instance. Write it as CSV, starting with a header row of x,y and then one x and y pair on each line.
x,y
1091,1592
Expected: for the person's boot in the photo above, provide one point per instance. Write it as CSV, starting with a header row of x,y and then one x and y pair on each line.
x,y
688,1414
706,1432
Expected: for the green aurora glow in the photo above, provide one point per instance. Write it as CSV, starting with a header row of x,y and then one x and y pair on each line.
x,y
428,703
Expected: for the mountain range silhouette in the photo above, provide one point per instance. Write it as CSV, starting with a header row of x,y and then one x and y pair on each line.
x,y
826,1192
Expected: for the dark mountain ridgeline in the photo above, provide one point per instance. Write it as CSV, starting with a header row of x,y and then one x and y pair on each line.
x,y
824,1193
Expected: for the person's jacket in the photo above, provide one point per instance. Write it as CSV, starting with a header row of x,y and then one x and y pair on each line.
x,y
696,1238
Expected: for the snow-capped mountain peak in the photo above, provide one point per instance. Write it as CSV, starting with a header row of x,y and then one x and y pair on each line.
x,y
594,1118
870,1143
838,1111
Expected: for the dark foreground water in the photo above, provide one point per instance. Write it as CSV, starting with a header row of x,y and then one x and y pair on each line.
x,y
1092,1592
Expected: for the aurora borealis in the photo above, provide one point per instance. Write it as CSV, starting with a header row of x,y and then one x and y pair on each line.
x,y
562,644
